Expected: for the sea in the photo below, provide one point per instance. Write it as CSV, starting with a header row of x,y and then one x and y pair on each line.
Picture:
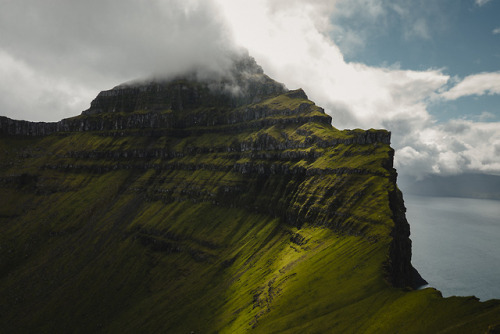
x,y
456,244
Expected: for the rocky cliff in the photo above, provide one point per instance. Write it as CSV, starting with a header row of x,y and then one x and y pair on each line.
x,y
225,204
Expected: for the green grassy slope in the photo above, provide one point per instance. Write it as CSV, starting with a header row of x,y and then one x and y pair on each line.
x,y
279,224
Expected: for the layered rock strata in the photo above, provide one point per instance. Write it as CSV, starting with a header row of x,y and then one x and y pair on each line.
x,y
278,137
233,197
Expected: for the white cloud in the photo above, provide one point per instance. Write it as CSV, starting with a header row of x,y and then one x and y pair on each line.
x,y
496,31
485,116
419,29
481,2
476,84
294,51
24,92
454,147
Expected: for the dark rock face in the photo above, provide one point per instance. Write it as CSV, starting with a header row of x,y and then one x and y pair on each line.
x,y
25,128
400,271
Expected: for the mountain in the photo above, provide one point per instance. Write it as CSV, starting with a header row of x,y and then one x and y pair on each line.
x,y
210,204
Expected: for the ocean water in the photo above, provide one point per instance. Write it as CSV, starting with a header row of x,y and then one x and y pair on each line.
x,y
456,244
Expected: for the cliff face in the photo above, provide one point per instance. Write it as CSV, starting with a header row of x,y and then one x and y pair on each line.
x,y
208,205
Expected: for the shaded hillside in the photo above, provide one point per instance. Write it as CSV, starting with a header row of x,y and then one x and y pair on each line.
x,y
179,207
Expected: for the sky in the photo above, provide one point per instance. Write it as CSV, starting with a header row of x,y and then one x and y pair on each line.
x,y
427,70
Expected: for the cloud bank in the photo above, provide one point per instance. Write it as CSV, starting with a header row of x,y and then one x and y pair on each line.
x,y
56,56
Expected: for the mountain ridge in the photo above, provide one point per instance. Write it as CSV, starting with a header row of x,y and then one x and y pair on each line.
x,y
211,215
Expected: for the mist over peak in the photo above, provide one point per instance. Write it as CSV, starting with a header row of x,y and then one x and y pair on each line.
x,y
239,67
241,83
91,46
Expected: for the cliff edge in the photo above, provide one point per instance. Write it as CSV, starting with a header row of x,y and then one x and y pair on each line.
x,y
225,204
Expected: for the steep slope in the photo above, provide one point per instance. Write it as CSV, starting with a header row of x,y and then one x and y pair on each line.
x,y
196,205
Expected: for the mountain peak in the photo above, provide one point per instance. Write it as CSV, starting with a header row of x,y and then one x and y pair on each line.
x,y
244,83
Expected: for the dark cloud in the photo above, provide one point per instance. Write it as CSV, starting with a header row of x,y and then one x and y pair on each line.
x,y
114,36
92,45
